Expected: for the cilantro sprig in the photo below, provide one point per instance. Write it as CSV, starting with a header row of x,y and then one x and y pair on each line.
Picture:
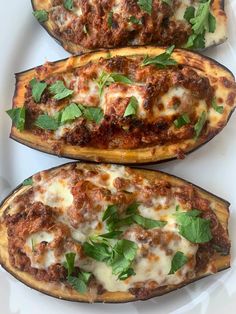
x,y
161,61
59,90
77,279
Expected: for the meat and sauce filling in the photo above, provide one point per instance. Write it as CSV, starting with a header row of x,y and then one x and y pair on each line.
x,y
122,102
109,229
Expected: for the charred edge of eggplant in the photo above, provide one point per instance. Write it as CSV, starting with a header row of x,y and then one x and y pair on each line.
x,y
100,160
227,203
85,50
179,50
15,275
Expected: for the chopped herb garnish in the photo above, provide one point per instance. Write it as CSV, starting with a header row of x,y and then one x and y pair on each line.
x,y
194,228
161,61
219,109
41,15
37,89
111,210
182,120
145,5
167,1
60,91
132,107
94,114
106,79
110,19
126,274
28,181
111,235
200,124
18,117
69,264
132,208
70,112
47,122
148,223
68,4
189,13
134,20
178,261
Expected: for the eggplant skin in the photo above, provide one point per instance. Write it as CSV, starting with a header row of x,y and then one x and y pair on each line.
x,y
61,292
218,37
218,75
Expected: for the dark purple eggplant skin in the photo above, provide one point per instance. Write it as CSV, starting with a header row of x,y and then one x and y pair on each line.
x,y
158,293
222,6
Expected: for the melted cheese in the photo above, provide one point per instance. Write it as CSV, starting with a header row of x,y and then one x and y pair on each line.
x,y
154,266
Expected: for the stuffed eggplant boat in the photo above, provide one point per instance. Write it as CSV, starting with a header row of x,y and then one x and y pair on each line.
x,y
108,233
128,105
80,26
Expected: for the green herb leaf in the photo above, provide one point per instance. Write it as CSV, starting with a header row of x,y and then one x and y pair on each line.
x,y
106,79
132,107
18,117
70,263
41,15
182,120
68,4
211,23
28,181
79,283
59,90
132,208
193,228
94,114
37,89
167,2
161,61
148,223
200,124
178,261
98,251
124,253
134,20
200,21
219,109
47,122
126,274
110,19
189,13
70,112
111,210
145,5
111,235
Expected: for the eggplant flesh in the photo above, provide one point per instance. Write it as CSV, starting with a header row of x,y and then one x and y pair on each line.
x,y
90,36
217,262
220,79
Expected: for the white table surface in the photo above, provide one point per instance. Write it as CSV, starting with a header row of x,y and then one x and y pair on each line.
x,y
24,44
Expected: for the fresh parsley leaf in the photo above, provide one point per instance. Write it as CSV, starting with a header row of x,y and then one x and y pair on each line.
x,y
79,283
70,112
98,251
126,274
106,79
132,107
148,223
111,210
182,120
189,13
194,228
200,124
111,235
110,19
18,117
70,263
200,21
59,90
161,61
37,89
211,23
134,20
94,114
145,5
41,15
219,109
178,261
68,4
47,122
132,208
28,181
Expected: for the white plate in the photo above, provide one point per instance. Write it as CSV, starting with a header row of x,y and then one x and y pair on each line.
x,y
24,44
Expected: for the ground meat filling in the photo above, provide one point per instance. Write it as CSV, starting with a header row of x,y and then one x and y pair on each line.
x,y
96,24
153,123
89,198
